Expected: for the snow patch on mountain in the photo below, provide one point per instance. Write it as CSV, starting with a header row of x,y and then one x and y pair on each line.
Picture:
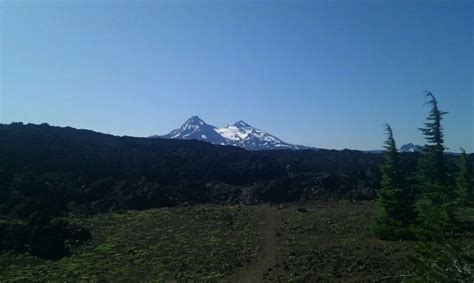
x,y
410,147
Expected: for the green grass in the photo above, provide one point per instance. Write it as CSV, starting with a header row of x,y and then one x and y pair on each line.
x,y
333,242
203,242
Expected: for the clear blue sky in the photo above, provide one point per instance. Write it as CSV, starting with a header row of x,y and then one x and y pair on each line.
x,y
320,73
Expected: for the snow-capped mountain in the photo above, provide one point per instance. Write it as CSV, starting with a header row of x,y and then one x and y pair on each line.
x,y
196,129
238,134
410,147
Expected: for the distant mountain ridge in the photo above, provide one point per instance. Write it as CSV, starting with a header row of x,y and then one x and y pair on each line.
x,y
238,134
410,147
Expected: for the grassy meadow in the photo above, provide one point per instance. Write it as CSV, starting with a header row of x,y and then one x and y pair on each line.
x,y
321,241
203,242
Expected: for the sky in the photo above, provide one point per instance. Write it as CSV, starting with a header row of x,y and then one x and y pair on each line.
x,y
327,74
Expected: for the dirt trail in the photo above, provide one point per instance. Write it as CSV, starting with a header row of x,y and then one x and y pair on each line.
x,y
268,254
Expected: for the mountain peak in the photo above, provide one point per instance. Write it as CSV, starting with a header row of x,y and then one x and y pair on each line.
x,y
195,119
241,124
238,134
195,128
410,147
193,123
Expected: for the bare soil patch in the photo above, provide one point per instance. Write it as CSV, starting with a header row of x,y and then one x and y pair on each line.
x,y
258,270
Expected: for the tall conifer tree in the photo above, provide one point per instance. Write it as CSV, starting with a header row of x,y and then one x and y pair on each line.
x,y
396,200
436,205
440,257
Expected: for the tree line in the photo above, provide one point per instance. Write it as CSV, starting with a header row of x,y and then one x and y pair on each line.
x,y
431,209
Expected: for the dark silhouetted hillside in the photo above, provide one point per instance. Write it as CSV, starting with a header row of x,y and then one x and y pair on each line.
x,y
68,169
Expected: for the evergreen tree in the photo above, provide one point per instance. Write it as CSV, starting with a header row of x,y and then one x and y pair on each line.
x,y
396,200
465,186
440,257
435,207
